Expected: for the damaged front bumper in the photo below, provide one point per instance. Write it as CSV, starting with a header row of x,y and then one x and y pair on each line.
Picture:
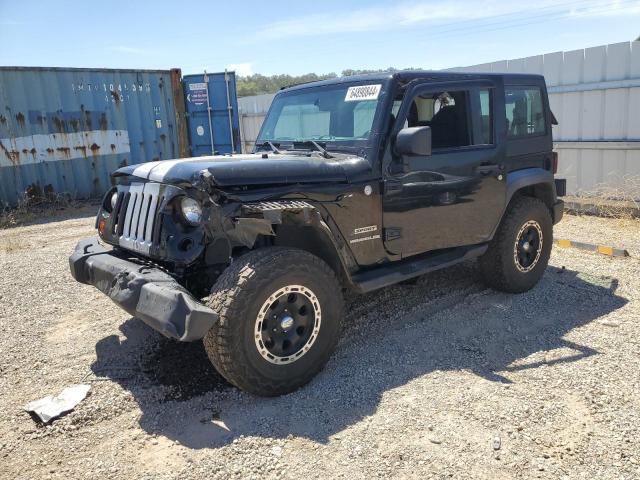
x,y
143,291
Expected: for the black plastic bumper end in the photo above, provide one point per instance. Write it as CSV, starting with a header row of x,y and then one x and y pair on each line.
x,y
558,211
143,291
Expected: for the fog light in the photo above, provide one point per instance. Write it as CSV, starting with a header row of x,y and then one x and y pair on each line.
x,y
186,244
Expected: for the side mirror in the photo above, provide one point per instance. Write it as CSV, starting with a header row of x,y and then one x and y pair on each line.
x,y
414,141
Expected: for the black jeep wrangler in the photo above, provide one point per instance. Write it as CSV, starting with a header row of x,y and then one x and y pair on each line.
x,y
355,184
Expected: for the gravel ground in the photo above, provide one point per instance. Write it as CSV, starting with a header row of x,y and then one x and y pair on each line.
x,y
442,378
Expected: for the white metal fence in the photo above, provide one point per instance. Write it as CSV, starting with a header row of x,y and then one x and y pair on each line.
x,y
595,95
252,112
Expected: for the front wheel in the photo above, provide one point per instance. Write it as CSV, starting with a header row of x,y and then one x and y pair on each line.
x,y
519,252
280,313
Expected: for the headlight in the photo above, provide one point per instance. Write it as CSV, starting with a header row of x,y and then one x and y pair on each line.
x,y
114,200
191,210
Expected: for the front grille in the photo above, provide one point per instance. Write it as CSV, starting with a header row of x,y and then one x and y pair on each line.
x,y
137,216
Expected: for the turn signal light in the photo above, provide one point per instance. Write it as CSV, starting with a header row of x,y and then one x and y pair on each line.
x,y
102,226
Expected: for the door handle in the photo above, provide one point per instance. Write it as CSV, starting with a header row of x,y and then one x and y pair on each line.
x,y
488,169
391,187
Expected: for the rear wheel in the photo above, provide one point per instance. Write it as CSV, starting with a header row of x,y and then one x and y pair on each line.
x,y
280,314
519,253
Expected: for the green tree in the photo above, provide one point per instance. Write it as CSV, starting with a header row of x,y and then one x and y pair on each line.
x,y
258,84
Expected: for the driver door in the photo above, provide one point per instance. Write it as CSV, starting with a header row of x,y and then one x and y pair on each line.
x,y
456,195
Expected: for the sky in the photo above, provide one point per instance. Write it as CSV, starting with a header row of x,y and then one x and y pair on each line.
x,y
274,37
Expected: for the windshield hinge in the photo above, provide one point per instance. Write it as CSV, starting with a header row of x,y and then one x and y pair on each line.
x,y
268,144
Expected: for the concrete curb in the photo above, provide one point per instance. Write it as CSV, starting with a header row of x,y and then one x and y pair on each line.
x,y
591,247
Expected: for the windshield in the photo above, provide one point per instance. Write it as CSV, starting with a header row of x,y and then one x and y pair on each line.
x,y
336,113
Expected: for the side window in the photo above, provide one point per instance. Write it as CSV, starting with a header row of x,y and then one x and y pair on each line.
x,y
486,118
524,111
396,107
447,115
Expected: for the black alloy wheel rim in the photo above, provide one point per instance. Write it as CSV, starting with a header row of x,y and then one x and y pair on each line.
x,y
528,246
287,324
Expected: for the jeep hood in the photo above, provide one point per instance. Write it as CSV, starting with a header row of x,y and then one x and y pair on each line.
x,y
252,169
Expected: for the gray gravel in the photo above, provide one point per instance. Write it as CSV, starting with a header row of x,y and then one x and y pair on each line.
x,y
442,378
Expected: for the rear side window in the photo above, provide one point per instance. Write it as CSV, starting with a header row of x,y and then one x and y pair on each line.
x,y
524,111
485,120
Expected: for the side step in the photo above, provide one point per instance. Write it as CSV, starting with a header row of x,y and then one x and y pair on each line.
x,y
395,272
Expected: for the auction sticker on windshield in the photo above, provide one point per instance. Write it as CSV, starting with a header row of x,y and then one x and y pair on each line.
x,y
362,92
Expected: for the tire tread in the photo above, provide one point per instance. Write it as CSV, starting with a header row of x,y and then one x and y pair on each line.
x,y
243,279
494,264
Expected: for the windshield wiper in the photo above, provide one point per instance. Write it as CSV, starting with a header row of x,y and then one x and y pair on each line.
x,y
317,146
271,146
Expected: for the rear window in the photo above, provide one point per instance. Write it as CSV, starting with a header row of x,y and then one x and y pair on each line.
x,y
524,111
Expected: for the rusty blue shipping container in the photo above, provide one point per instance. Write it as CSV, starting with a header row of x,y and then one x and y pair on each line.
x,y
212,110
66,129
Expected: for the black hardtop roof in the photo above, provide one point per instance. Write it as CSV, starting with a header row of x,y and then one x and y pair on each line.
x,y
409,75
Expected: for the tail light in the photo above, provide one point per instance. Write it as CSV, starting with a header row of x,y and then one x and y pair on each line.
x,y
554,162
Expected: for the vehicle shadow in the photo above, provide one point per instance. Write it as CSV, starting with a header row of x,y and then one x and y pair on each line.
x,y
446,321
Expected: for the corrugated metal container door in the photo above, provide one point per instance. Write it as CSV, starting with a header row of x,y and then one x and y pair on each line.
x,y
212,109
66,130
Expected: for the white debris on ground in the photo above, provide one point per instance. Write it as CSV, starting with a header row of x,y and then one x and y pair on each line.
x,y
51,407
439,379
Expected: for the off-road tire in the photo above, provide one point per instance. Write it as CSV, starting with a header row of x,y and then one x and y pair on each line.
x,y
238,296
498,267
